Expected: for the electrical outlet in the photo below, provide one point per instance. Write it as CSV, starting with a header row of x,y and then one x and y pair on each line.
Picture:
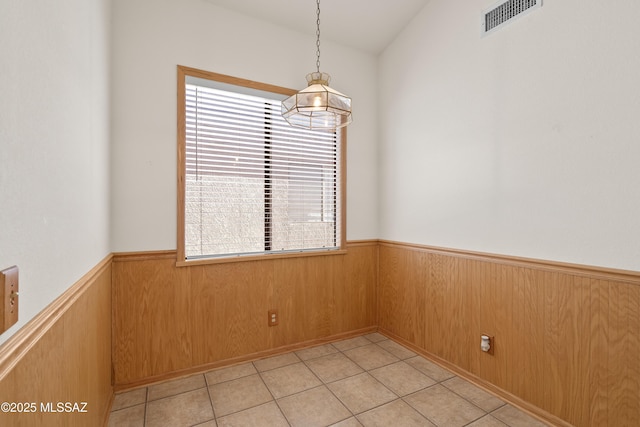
x,y
273,317
8,297
487,343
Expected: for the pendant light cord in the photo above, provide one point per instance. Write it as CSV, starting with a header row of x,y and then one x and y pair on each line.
x,y
318,37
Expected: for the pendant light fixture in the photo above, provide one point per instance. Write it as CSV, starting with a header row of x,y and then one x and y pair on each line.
x,y
317,106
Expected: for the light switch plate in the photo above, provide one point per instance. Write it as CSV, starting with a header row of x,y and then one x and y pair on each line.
x,y
8,297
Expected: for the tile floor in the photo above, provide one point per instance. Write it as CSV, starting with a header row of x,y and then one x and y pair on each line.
x,y
364,381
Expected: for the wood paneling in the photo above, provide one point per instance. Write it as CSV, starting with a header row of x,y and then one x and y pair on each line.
x,y
170,320
567,338
63,355
156,294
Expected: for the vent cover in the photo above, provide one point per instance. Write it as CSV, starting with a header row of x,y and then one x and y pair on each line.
x,y
505,12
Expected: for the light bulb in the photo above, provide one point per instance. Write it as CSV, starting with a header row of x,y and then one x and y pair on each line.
x,y
317,101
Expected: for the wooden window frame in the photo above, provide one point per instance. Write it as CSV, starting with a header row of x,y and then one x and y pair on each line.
x,y
184,72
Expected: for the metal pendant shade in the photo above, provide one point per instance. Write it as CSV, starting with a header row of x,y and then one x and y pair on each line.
x,y
318,106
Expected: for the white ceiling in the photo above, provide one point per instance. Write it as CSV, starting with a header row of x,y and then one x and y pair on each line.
x,y
368,25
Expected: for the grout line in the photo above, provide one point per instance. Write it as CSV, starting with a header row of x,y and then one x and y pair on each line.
x,y
206,385
355,415
470,401
146,402
415,409
271,393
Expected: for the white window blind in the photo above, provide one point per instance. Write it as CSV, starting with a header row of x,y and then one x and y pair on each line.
x,y
253,183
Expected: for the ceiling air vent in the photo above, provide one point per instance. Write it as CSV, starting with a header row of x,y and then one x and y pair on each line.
x,y
505,12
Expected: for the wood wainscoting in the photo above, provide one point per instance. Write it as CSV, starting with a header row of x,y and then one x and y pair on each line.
x,y
169,321
567,337
63,355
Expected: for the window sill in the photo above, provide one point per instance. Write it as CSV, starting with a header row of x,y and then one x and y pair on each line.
x,y
262,257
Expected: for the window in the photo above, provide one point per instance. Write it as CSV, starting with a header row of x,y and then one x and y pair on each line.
x,y
249,183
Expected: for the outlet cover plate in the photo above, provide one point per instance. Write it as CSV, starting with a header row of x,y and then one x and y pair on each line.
x,y
8,297
274,318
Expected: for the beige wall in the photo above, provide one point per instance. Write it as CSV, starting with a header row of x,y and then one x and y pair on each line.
x,y
524,142
54,145
194,33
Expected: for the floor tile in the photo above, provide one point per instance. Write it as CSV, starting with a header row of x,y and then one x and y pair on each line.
x,y
487,421
276,362
371,356
351,343
429,368
315,407
364,375
129,398
396,413
516,418
333,367
289,379
349,422
315,352
443,407
171,388
396,349
375,337
230,373
401,378
361,392
238,395
473,394
132,416
266,415
184,409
